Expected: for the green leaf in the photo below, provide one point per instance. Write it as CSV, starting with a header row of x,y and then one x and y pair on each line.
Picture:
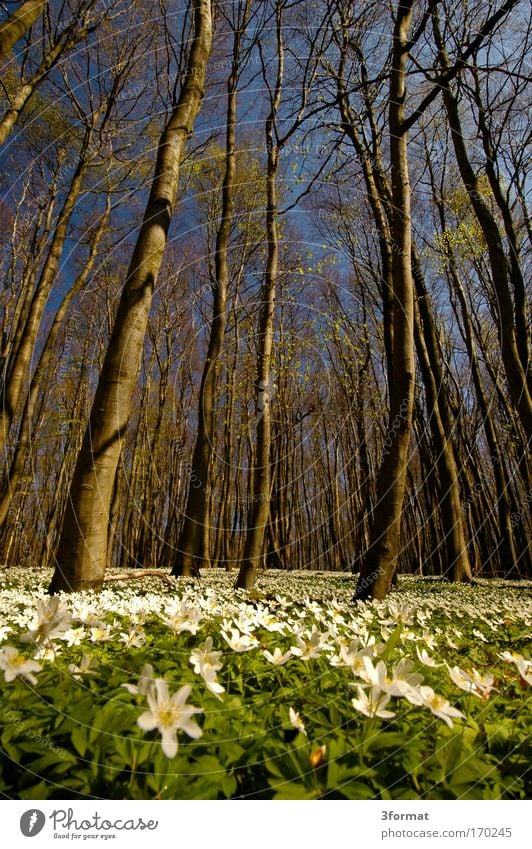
x,y
79,740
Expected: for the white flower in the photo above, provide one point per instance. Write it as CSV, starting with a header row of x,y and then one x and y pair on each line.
x,y
524,667
169,714
312,646
472,682
372,704
73,636
13,664
512,657
246,621
407,635
86,667
206,663
145,682
399,614
525,671
353,655
374,675
268,621
48,651
183,618
240,642
4,631
479,635
337,616
100,634
439,706
402,684
133,638
296,721
200,658
425,658
430,640
277,658
52,619
209,676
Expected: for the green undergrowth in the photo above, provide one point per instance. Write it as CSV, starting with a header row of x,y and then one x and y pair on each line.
x,y
425,695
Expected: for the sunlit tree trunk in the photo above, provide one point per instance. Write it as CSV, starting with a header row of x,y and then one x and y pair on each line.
x,y
18,24
82,550
261,472
193,546
381,559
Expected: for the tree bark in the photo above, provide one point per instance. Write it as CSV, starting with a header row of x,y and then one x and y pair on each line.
x,y
449,504
20,363
25,91
381,559
23,443
261,472
193,546
82,550
518,386
22,19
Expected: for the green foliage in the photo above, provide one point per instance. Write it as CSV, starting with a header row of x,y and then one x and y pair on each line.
x,y
74,732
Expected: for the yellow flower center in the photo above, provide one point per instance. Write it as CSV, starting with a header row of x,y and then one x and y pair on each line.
x,y
168,716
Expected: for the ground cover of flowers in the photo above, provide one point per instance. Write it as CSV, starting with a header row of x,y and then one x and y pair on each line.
x,y
197,691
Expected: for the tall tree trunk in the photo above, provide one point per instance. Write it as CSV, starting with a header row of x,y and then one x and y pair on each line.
x,y
518,384
380,200
261,472
193,546
261,481
507,548
381,559
82,551
442,425
260,490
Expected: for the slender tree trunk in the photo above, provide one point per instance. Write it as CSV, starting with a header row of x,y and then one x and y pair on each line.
x,y
193,546
514,264
71,447
377,191
381,559
507,548
23,443
20,98
261,473
35,250
260,490
442,425
20,363
518,386
82,551
18,24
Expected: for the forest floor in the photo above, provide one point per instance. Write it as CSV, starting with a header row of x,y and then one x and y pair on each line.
x,y
199,691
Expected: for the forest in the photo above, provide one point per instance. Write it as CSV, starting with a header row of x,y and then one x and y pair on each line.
x,y
265,342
